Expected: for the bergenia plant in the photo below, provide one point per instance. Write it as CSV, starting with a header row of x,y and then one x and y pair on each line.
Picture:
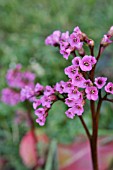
x,y
82,85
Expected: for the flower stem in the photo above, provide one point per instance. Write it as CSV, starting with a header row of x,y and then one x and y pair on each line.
x,y
85,127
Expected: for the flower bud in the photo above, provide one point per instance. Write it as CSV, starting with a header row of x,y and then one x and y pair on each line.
x,y
106,41
81,52
110,32
91,43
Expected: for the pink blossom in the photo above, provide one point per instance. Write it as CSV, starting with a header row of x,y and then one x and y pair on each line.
x,y
27,79
53,39
63,46
59,87
45,100
91,93
13,77
41,120
68,87
74,93
76,61
10,96
40,112
26,93
106,40
48,91
38,88
66,52
88,83
86,63
71,71
109,88
100,82
65,36
74,41
78,32
36,103
70,113
78,80
17,79
70,102
78,108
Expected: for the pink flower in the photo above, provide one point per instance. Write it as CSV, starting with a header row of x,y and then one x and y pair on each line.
x,y
59,87
109,88
26,93
78,108
76,61
48,91
86,63
45,100
106,40
66,52
65,36
68,86
74,93
40,112
36,103
70,113
63,46
88,83
100,82
74,41
38,88
41,120
78,80
53,39
71,71
91,93
17,79
78,32
10,96
70,102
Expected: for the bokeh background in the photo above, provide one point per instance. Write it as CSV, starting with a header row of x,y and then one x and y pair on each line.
x,y
24,25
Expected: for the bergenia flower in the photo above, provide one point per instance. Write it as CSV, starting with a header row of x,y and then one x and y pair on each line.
x,y
76,61
74,41
91,93
70,113
40,112
78,108
71,71
78,80
41,120
87,62
109,88
59,87
100,82
48,91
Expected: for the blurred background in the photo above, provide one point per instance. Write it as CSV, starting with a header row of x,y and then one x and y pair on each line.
x,y
24,25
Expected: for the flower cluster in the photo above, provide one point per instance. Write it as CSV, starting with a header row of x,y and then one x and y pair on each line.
x,y
81,84
68,43
16,80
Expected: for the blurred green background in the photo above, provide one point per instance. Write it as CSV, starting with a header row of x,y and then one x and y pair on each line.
x,y
24,25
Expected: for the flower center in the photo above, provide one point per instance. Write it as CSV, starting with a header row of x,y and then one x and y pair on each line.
x,y
99,81
86,63
92,91
110,88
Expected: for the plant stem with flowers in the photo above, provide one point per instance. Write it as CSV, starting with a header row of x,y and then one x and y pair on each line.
x,y
81,86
